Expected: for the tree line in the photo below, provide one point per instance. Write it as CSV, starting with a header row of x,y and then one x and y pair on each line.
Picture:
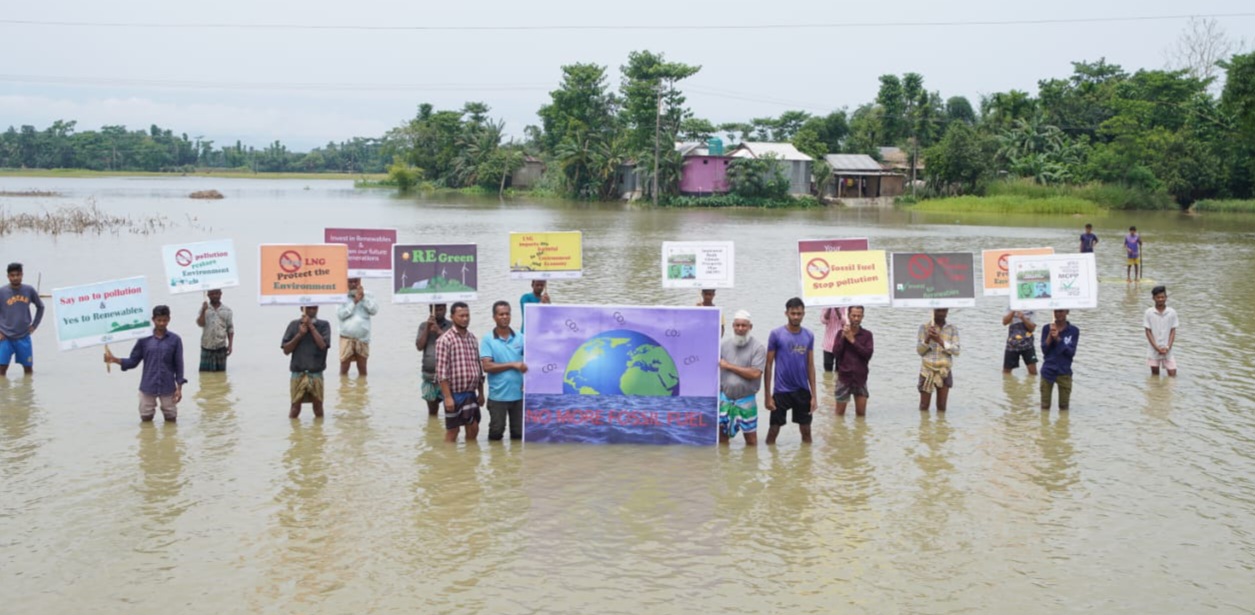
x,y
1171,132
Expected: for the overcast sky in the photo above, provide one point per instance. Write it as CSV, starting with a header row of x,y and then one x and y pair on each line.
x,y
309,85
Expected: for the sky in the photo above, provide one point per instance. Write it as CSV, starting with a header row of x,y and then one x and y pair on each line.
x,y
318,71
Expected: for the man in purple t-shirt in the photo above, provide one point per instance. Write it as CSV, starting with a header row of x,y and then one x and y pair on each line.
x,y
1133,250
790,358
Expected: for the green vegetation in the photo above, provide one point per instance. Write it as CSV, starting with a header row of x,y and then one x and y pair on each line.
x,y
1230,205
1010,204
732,200
220,173
1120,139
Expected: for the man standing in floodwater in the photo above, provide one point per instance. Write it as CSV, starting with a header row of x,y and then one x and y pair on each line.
x,y
16,325
461,376
217,338
789,380
1161,324
1133,250
538,295
853,351
1020,327
1058,347
741,362
708,300
1088,239
937,344
355,327
428,332
306,341
162,379
501,355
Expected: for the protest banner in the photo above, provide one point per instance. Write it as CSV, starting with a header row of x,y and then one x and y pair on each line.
x,y
933,280
844,278
101,313
296,274
697,264
434,273
995,266
205,265
832,245
370,250
1053,281
546,256
611,375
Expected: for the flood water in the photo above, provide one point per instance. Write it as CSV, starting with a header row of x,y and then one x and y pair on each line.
x,y
1141,499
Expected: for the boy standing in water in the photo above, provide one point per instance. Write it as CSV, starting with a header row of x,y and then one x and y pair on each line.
x,y
1161,323
1133,249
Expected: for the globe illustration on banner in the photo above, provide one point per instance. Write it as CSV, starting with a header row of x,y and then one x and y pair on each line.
x,y
621,362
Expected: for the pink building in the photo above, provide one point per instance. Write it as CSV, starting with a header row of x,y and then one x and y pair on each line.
x,y
702,174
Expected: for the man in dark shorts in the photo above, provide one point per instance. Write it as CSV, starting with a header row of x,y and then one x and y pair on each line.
x,y
1088,239
1020,327
428,332
790,356
461,376
852,352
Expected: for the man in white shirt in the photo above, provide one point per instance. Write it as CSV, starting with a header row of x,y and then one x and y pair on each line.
x,y
1161,323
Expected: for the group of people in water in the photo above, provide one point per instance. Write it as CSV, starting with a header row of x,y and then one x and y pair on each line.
x,y
463,374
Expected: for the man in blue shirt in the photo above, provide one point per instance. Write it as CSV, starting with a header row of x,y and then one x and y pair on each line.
x,y
16,325
162,379
538,295
501,354
1058,347
1088,239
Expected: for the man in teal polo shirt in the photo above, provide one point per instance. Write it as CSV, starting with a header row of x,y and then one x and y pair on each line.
x,y
501,353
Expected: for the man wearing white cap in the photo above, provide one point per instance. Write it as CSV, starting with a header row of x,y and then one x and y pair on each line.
x,y
741,362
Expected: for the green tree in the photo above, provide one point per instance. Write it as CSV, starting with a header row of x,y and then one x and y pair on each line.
x,y
961,162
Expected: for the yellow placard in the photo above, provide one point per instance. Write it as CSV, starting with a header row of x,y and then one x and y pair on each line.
x,y
542,256
845,278
994,265
293,274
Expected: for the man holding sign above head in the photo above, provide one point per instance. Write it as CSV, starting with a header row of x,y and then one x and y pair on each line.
x,y
539,294
162,380
306,341
937,344
1058,347
741,362
428,332
708,300
354,318
1020,327
16,325
791,356
217,338
852,353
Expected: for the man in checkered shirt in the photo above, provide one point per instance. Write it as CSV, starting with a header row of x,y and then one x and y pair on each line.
x,y
461,376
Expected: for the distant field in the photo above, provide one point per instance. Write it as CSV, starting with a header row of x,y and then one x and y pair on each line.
x,y
210,173
1010,204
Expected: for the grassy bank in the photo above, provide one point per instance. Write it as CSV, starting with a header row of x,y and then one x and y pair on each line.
x,y
1226,206
211,173
1055,205
1106,196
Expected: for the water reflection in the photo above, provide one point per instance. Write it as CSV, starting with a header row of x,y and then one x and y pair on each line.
x,y
20,415
1057,470
218,422
161,459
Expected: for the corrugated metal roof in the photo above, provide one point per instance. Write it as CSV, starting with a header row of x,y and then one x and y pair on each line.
x,y
852,162
692,148
758,149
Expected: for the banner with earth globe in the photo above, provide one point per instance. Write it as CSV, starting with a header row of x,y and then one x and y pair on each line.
x,y
621,375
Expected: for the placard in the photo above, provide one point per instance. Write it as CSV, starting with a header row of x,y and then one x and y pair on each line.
x,y
546,256
844,278
995,267
933,279
621,375
102,313
370,250
435,273
1053,281
697,264
205,265
832,245
297,274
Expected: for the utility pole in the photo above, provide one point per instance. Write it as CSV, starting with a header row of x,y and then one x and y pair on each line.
x,y
657,127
